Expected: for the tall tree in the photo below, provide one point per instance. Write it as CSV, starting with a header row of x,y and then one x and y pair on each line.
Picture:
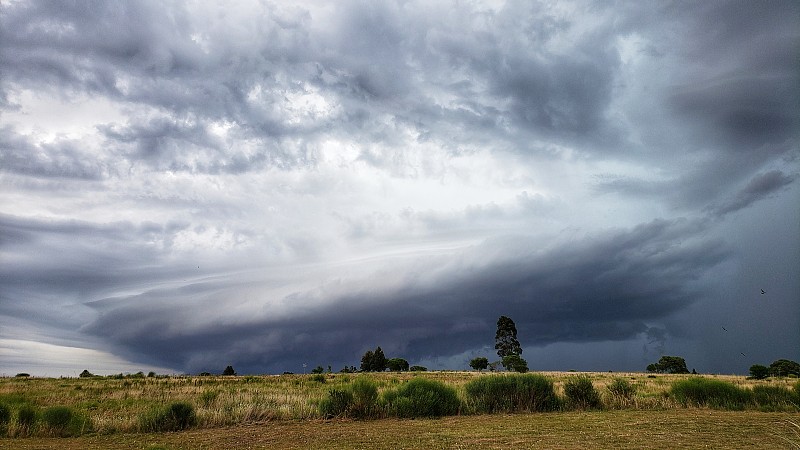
x,y
505,340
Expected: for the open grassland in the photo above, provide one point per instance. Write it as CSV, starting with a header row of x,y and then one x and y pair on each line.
x,y
285,411
666,429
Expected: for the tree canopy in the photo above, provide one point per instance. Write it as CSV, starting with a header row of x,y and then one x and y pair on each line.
x,y
669,364
505,340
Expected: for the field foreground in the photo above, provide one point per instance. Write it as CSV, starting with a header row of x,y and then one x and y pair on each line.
x,y
682,428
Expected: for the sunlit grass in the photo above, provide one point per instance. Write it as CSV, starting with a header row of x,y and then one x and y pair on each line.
x,y
116,405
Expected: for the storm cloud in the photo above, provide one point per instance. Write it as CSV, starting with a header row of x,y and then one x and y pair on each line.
x,y
272,184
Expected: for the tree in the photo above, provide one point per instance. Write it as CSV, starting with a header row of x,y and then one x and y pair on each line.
x,y
480,363
318,369
373,361
759,372
86,374
515,363
397,364
229,371
669,364
783,368
505,340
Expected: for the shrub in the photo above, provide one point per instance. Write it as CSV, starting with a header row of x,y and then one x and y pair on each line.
x,y
418,369
622,390
422,398
698,391
359,401
581,393
63,421
5,414
175,417
511,393
336,404
773,398
27,416
318,377
57,417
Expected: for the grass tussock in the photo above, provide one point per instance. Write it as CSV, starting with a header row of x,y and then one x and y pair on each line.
x,y
581,394
421,397
511,393
120,404
704,392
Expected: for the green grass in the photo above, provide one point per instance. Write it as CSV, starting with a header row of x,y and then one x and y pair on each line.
x,y
123,405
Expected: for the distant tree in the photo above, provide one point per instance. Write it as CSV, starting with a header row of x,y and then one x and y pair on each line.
x,y
229,371
318,369
759,372
86,374
418,369
784,368
505,340
205,374
669,364
22,375
480,363
515,363
494,366
151,374
373,361
378,360
397,365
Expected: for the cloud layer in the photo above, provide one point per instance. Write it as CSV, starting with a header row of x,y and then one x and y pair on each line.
x,y
268,184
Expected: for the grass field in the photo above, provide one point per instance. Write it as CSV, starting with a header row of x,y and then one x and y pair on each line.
x,y
283,412
667,429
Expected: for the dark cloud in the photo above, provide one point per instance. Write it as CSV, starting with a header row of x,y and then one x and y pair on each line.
x,y
628,280
761,186
285,183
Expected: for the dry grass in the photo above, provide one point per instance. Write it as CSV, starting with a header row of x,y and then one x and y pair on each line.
x,y
115,405
679,428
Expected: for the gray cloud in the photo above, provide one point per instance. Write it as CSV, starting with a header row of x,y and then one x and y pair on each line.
x,y
277,183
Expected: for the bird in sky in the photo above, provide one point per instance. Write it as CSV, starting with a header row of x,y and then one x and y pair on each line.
x,y
762,292
724,328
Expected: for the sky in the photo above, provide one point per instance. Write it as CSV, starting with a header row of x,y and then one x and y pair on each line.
x,y
277,185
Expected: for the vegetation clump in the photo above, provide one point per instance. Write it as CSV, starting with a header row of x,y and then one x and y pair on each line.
x,y
175,417
511,393
421,397
704,392
358,401
580,393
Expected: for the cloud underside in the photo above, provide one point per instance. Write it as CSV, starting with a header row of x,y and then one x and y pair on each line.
x,y
443,305
272,183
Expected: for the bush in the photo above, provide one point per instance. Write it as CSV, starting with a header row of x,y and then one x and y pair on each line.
x,y
57,417
63,421
581,393
422,398
318,377
336,404
365,398
418,369
511,393
27,416
175,417
5,415
621,390
359,401
698,391
773,398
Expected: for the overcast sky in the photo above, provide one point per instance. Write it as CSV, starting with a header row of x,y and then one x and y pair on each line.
x,y
186,185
